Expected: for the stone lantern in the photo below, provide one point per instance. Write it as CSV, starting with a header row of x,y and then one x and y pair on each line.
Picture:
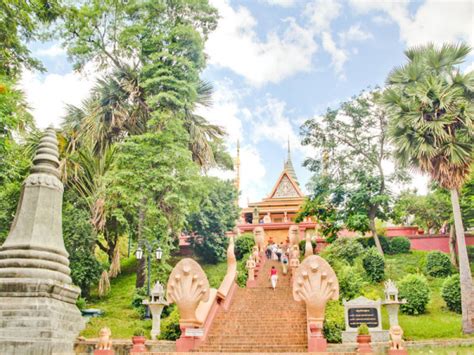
x,y
391,302
156,304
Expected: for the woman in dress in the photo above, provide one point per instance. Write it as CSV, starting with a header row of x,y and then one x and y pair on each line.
x,y
273,277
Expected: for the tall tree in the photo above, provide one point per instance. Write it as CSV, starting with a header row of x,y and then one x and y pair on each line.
x,y
430,102
353,140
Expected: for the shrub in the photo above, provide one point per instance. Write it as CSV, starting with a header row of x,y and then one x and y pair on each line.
x,y
137,301
470,253
242,274
334,322
139,332
347,249
302,245
363,329
400,245
350,282
438,264
374,265
81,303
170,326
243,245
451,293
369,242
414,288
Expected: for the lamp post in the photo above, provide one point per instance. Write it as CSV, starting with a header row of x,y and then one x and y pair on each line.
x,y
139,255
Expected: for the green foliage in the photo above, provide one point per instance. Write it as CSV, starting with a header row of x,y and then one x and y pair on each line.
x,y
400,245
429,211
438,264
22,21
363,329
353,141
139,332
81,303
139,296
80,244
216,215
242,274
334,322
215,273
302,245
347,249
244,245
451,293
414,288
170,329
350,282
368,242
374,265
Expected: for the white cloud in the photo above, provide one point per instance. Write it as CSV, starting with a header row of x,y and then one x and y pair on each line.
x,y
469,68
235,45
282,3
321,13
434,21
381,20
225,110
354,33
338,55
47,95
53,51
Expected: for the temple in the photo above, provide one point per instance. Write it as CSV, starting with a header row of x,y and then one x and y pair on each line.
x,y
277,212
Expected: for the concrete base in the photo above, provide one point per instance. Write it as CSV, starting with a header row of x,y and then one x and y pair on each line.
x,y
317,344
37,319
378,336
397,352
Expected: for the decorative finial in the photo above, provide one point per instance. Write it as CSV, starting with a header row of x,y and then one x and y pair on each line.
x,y
46,160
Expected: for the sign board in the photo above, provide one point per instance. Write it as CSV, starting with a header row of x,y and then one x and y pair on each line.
x,y
194,332
367,315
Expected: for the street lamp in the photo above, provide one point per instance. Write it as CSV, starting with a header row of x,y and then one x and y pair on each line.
x,y
139,255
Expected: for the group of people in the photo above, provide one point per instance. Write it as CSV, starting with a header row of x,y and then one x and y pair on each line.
x,y
277,252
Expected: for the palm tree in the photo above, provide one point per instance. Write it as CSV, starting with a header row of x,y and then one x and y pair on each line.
x,y
430,103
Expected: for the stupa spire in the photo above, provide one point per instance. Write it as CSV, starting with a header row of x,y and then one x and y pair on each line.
x,y
288,166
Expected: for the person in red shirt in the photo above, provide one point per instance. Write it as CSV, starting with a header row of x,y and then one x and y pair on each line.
x,y
273,277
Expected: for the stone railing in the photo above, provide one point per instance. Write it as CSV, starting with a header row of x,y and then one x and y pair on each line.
x,y
199,304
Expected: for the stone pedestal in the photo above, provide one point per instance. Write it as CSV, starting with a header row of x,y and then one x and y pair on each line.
x,y
156,305
397,352
104,352
38,313
392,310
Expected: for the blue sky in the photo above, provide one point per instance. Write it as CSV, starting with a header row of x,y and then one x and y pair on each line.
x,y
276,63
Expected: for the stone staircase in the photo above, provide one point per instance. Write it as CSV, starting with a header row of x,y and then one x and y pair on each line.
x,y
260,319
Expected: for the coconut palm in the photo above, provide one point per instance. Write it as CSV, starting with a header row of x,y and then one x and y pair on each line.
x,y
430,103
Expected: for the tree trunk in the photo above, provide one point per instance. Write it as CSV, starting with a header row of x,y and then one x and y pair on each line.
x,y
464,268
452,246
374,233
141,277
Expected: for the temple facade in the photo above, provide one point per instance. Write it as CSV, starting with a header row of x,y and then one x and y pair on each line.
x,y
277,212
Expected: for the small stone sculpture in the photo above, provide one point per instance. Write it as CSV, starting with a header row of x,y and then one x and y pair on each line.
x,y
315,283
293,235
259,237
105,343
267,218
396,334
250,266
187,287
308,249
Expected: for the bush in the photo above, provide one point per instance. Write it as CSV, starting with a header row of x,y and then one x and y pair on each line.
x,y
451,293
242,274
369,242
438,264
81,303
137,301
334,322
350,282
400,245
302,245
363,329
374,265
470,253
170,326
414,288
347,249
243,245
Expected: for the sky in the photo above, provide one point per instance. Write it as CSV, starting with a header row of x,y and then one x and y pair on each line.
x,y
275,64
